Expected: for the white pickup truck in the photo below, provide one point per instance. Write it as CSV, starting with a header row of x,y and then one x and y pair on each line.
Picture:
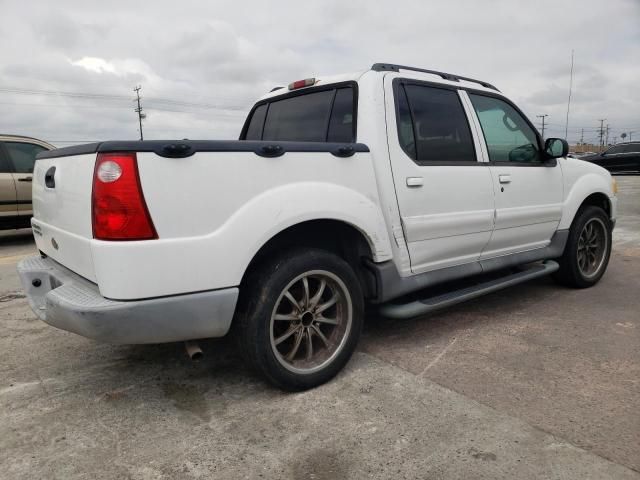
x,y
398,187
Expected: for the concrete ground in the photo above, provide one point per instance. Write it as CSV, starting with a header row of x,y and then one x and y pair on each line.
x,y
533,382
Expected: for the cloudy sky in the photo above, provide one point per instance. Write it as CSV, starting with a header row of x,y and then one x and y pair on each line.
x,y
67,68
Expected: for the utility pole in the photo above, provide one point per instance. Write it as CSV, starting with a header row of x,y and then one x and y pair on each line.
x,y
542,117
601,132
141,115
607,142
630,135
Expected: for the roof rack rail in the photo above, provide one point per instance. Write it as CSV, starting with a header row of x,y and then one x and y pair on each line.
x,y
392,67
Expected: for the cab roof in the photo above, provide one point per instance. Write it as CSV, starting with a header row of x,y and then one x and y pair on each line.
x,y
426,74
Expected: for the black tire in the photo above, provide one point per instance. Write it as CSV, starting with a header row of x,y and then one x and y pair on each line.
x,y
570,273
263,296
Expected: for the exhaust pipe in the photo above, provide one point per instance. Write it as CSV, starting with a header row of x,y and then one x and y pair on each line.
x,y
193,350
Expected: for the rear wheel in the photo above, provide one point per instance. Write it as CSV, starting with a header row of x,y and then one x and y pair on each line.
x,y
300,318
588,249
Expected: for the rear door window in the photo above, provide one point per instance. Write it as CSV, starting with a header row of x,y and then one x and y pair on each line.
x,y
432,125
317,116
23,155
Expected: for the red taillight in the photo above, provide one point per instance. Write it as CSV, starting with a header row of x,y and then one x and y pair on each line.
x,y
118,207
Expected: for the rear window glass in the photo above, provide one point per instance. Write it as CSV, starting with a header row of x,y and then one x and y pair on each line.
x,y
320,116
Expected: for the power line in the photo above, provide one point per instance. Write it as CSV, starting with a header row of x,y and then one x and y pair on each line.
x,y
110,97
221,111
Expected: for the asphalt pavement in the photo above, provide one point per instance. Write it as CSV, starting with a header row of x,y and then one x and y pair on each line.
x,y
537,381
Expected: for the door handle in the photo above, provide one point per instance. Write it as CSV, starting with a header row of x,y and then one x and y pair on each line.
x,y
504,178
414,181
26,179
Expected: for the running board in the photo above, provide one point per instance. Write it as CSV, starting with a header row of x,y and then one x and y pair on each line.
x,y
427,305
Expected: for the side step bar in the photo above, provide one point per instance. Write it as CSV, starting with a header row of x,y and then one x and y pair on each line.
x,y
420,307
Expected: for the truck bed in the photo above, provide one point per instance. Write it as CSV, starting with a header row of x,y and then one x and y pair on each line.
x,y
213,204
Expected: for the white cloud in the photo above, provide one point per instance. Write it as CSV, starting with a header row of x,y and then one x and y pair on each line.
x,y
93,64
227,53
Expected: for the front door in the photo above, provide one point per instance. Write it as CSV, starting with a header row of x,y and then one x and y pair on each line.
x,y
444,190
529,191
8,207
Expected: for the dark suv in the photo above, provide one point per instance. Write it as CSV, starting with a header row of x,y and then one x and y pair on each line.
x,y
623,157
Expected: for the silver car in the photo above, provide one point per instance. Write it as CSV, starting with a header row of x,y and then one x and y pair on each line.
x,y
17,156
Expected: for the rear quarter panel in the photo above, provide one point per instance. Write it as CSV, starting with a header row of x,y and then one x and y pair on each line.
x,y
214,210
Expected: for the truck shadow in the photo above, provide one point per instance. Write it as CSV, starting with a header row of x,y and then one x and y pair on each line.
x,y
12,238
222,369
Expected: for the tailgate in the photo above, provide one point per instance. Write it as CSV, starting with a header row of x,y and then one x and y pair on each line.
x,y
62,210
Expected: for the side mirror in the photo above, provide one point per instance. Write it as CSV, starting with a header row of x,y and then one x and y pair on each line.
x,y
556,148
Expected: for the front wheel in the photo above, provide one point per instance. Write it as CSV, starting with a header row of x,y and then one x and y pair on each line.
x,y
588,249
300,318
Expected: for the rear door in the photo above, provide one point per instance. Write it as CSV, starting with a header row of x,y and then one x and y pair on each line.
x,y
8,206
444,190
529,191
22,156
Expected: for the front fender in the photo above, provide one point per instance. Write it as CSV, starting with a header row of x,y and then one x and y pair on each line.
x,y
584,186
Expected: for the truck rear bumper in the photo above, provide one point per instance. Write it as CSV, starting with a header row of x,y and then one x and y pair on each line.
x,y
66,300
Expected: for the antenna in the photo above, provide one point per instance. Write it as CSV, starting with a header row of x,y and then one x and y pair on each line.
x,y
566,125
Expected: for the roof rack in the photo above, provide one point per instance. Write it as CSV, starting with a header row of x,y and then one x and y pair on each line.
x,y
391,67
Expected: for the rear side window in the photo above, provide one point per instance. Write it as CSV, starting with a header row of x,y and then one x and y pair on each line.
x,y
254,130
632,148
439,128
317,116
23,155
341,123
